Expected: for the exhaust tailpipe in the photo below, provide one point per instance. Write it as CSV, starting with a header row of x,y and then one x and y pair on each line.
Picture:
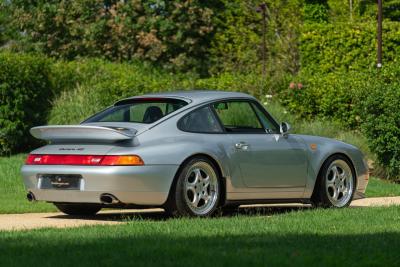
x,y
108,199
30,196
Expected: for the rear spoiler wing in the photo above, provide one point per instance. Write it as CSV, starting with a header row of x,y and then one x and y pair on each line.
x,y
81,132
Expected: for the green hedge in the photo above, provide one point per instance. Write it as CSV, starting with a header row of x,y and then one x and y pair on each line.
x,y
26,89
347,46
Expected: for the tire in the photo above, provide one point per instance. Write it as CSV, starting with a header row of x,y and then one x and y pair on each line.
x,y
197,191
78,209
336,183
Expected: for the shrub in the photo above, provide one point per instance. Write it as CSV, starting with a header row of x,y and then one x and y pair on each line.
x,y
316,11
250,83
346,46
381,124
332,96
25,91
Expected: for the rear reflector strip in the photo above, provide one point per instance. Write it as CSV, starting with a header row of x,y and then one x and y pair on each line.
x,y
92,160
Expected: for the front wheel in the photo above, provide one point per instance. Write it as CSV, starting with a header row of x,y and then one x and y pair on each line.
x,y
336,184
78,209
197,190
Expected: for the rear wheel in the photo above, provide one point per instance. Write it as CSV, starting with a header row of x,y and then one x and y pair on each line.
x,y
197,190
336,184
78,209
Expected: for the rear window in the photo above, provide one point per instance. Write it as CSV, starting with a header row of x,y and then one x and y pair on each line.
x,y
138,110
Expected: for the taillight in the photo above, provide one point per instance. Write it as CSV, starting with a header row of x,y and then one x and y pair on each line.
x,y
93,160
122,160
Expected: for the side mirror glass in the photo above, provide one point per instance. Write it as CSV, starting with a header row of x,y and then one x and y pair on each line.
x,y
284,128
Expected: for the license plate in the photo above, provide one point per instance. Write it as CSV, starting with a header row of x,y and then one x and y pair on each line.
x,y
60,181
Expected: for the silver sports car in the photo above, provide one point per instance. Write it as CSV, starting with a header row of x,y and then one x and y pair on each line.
x,y
191,153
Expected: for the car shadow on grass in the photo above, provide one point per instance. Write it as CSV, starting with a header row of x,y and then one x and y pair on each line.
x,y
161,215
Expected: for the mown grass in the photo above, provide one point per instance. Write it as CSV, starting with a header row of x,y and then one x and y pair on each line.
x,y
13,193
346,237
378,187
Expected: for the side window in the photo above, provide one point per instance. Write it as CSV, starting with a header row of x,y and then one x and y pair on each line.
x,y
201,121
238,116
268,123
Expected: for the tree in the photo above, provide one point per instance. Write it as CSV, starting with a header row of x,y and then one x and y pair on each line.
x,y
236,45
173,34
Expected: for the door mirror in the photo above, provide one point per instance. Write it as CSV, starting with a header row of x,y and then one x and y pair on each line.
x,y
285,128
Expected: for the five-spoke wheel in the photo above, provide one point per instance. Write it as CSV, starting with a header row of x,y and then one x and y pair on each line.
x,y
197,190
336,184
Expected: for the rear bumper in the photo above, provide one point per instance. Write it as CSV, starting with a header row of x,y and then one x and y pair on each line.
x,y
141,185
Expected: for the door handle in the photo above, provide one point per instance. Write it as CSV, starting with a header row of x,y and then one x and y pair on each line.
x,y
242,146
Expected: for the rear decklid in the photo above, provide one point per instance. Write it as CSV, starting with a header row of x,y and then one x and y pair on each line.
x,y
82,133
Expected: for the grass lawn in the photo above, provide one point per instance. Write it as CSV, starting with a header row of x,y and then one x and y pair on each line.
x,y
13,194
12,191
330,237
378,188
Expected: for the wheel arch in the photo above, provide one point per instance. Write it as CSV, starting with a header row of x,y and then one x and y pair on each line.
x,y
220,174
318,178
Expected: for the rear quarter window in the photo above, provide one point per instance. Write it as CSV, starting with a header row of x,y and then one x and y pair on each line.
x,y
201,120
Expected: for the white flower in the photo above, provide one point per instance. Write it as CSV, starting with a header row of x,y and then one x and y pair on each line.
x,y
265,103
284,112
268,96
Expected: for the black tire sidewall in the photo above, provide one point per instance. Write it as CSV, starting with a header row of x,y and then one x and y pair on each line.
x,y
181,207
323,197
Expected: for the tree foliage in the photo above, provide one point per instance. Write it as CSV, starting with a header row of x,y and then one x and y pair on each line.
x,y
346,46
174,34
237,42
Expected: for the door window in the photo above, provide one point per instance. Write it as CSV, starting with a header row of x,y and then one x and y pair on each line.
x,y
238,117
269,124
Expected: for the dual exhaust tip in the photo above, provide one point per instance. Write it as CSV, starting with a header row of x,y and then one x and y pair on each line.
x,y
108,199
104,198
31,197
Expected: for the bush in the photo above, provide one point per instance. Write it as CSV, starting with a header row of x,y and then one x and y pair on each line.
x,y
381,124
333,96
347,46
25,94
316,11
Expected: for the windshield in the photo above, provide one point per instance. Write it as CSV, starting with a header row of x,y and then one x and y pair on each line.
x,y
138,110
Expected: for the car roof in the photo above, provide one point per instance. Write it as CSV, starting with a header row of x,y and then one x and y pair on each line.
x,y
195,96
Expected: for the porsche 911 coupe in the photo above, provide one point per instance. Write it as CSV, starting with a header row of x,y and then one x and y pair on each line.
x,y
191,153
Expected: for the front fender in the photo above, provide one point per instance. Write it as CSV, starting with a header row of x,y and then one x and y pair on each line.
x,y
320,149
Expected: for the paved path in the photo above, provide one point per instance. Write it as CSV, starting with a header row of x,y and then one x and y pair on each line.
x,y
111,217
